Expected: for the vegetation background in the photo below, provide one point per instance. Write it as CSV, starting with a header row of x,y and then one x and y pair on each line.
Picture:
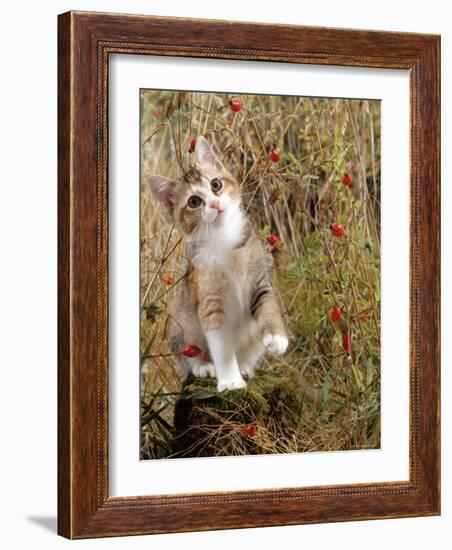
x,y
309,170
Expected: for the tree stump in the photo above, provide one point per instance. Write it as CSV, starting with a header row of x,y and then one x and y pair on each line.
x,y
254,420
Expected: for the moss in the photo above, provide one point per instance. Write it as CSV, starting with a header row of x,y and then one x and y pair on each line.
x,y
284,402
208,423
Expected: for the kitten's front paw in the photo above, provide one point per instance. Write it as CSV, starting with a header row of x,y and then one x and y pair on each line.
x,y
204,371
235,384
275,343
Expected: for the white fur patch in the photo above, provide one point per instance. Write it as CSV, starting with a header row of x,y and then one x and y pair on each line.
x,y
204,371
275,343
221,346
234,384
214,240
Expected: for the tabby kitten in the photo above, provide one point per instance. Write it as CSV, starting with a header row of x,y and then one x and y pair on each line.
x,y
226,304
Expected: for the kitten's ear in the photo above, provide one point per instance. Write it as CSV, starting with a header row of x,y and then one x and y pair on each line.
x,y
205,155
164,190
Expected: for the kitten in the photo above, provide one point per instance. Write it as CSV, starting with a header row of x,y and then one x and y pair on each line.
x,y
226,304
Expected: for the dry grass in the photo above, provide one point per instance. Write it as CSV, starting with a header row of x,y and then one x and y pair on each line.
x,y
297,198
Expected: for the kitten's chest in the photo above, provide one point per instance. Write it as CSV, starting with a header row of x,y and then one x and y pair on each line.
x,y
238,288
228,276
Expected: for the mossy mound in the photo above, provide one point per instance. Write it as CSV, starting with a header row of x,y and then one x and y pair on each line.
x,y
235,422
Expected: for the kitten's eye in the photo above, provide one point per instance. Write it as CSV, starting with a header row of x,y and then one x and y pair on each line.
x,y
216,185
194,201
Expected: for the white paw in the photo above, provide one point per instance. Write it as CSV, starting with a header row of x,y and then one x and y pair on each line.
x,y
275,343
246,370
204,371
235,384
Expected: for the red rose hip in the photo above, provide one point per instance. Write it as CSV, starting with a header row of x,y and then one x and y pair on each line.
x,y
347,179
235,105
273,239
274,156
192,145
191,350
335,314
168,279
347,342
337,229
250,430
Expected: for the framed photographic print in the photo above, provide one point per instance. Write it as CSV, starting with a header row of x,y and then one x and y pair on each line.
x,y
248,275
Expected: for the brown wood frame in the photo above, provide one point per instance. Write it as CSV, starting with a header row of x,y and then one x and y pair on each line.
x,y
85,41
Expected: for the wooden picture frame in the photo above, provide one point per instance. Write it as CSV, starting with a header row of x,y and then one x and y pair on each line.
x,y
85,42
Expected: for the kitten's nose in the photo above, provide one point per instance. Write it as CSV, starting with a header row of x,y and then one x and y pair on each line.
x,y
215,204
